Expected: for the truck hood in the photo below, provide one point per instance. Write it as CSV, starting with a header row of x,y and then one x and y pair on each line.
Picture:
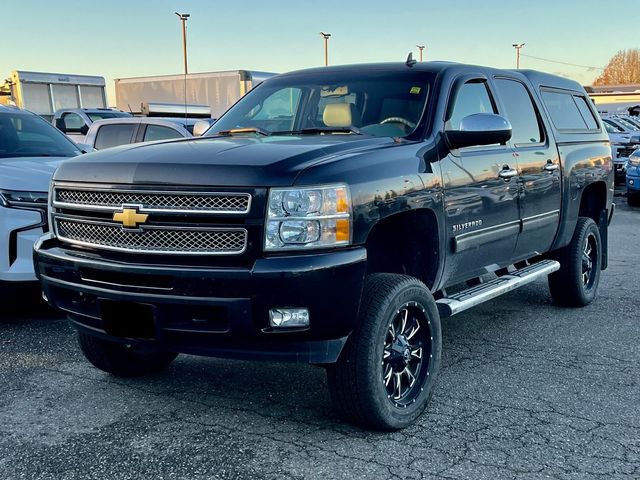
x,y
28,174
223,161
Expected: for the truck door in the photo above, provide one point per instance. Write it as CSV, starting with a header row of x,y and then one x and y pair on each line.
x,y
481,193
538,168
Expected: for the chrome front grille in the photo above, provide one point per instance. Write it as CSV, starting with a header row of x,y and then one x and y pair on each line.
x,y
153,239
146,201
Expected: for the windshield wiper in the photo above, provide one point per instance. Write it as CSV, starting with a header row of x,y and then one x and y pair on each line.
x,y
320,130
238,131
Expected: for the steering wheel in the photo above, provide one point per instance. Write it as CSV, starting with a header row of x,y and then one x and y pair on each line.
x,y
401,120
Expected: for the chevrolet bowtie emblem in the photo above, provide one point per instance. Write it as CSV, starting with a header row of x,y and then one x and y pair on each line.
x,y
129,217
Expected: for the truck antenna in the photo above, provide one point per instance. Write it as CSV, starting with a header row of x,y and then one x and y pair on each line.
x,y
410,61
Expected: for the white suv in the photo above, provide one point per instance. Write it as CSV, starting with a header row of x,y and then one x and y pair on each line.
x,y
30,150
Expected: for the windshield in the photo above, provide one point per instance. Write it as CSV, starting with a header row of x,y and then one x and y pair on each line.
x,y
627,124
26,135
372,103
612,128
95,116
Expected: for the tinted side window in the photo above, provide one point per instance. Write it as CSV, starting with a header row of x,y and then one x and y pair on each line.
x,y
157,132
586,112
520,112
565,113
472,98
72,122
113,135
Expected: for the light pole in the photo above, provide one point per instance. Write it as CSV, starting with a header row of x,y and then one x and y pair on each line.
x,y
183,18
326,47
518,47
421,48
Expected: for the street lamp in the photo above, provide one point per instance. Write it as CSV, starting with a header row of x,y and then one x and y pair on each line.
x,y
518,47
326,47
183,18
421,48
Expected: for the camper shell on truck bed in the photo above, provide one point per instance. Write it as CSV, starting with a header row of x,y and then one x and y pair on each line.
x,y
333,216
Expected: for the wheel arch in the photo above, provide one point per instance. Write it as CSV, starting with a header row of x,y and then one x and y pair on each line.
x,y
593,201
406,243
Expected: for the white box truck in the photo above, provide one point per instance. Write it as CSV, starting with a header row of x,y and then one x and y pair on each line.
x,y
219,90
44,93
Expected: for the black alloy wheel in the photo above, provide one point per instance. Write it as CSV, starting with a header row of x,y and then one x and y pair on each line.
x,y
406,354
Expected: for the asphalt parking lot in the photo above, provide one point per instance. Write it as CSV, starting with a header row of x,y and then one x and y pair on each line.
x,y
527,390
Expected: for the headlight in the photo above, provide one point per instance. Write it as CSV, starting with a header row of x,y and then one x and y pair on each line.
x,y
634,160
310,217
12,198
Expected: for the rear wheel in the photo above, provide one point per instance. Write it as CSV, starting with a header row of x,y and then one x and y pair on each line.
x,y
384,378
576,283
123,360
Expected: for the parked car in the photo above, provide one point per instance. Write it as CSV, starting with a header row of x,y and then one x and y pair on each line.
x,y
623,144
121,131
334,216
633,179
30,150
75,122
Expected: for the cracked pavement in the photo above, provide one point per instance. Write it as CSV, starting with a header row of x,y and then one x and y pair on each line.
x,y
527,390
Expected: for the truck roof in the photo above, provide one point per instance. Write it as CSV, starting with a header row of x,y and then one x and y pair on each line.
x,y
535,77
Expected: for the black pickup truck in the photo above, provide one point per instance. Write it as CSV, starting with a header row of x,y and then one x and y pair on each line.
x,y
334,216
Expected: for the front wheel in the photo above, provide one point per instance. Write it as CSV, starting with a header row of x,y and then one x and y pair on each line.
x,y
576,283
123,360
633,199
385,377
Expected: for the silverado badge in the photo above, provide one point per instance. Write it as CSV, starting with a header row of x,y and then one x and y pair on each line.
x,y
129,217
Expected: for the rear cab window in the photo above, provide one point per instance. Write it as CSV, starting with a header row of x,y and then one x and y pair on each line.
x,y
569,110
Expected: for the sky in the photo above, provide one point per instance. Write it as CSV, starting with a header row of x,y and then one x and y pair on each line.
x,y
129,38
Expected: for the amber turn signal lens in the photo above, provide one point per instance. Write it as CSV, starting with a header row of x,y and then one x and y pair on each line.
x,y
342,230
342,204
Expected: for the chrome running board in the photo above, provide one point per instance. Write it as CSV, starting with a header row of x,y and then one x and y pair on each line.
x,y
461,301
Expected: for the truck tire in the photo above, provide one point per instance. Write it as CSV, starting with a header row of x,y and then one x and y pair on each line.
x,y
385,376
122,360
576,283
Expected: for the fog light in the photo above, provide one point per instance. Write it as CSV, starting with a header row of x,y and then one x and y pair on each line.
x,y
630,181
289,317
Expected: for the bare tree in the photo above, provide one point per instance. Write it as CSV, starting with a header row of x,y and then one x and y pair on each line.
x,y
622,69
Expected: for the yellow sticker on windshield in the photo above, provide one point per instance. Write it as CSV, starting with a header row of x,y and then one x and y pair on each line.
x,y
415,90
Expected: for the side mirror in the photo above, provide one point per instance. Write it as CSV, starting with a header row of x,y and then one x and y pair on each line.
x,y
60,125
480,129
200,127
84,129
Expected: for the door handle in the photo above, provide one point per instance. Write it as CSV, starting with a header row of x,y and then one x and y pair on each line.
x,y
551,167
507,173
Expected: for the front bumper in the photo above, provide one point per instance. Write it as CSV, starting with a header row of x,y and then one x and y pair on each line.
x,y
19,229
633,179
211,311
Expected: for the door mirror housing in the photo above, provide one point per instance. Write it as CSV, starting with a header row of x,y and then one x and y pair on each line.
x,y
480,129
60,125
200,127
